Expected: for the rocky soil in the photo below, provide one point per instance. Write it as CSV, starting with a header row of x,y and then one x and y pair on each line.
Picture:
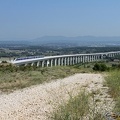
x,y
36,102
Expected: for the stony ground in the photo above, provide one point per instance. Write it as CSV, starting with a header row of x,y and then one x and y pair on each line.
x,y
36,102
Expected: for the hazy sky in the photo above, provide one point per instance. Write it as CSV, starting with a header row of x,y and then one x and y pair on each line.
x,y
27,19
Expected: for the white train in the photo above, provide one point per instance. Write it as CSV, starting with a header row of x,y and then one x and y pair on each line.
x,y
29,57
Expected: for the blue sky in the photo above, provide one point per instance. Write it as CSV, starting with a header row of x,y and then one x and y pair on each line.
x,y
28,19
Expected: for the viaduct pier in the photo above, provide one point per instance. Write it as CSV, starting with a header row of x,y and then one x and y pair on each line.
x,y
63,60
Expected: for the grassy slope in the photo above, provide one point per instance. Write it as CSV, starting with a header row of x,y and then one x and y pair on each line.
x,y
78,107
113,81
10,81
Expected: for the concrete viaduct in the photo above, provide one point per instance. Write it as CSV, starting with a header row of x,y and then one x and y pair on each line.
x,y
63,60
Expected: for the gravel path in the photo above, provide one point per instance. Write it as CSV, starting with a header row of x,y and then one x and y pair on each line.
x,y
36,102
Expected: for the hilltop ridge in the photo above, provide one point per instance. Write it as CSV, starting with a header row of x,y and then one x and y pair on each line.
x,y
67,41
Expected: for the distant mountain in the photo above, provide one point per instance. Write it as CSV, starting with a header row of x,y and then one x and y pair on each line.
x,y
67,41
17,43
77,41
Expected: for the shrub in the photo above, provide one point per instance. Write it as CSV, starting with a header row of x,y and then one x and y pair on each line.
x,y
96,67
4,62
100,67
103,67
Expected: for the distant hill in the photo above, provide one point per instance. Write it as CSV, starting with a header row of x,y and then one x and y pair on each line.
x,y
67,41
77,41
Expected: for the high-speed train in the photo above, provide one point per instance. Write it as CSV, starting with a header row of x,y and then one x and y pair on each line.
x,y
29,57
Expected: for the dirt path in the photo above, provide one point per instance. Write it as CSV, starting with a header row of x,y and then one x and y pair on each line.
x,y
35,103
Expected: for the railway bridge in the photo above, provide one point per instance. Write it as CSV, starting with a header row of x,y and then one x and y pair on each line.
x,y
63,60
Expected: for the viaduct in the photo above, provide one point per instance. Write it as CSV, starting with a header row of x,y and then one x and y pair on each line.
x,y
63,60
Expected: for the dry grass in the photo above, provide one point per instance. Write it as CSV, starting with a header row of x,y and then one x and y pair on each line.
x,y
113,81
78,108
10,81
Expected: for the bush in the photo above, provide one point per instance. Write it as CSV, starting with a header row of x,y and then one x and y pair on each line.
x,y
100,67
118,66
96,67
4,62
103,67
8,68
114,66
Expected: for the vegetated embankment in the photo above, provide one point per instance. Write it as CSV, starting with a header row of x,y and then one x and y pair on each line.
x,y
38,102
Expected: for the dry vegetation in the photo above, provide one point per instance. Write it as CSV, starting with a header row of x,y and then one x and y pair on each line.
x,y
12,78
113,81
78,107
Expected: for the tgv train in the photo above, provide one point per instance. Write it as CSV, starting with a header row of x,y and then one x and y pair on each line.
x,y
25,58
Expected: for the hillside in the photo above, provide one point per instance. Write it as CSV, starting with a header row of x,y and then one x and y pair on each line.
x,y
39,101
